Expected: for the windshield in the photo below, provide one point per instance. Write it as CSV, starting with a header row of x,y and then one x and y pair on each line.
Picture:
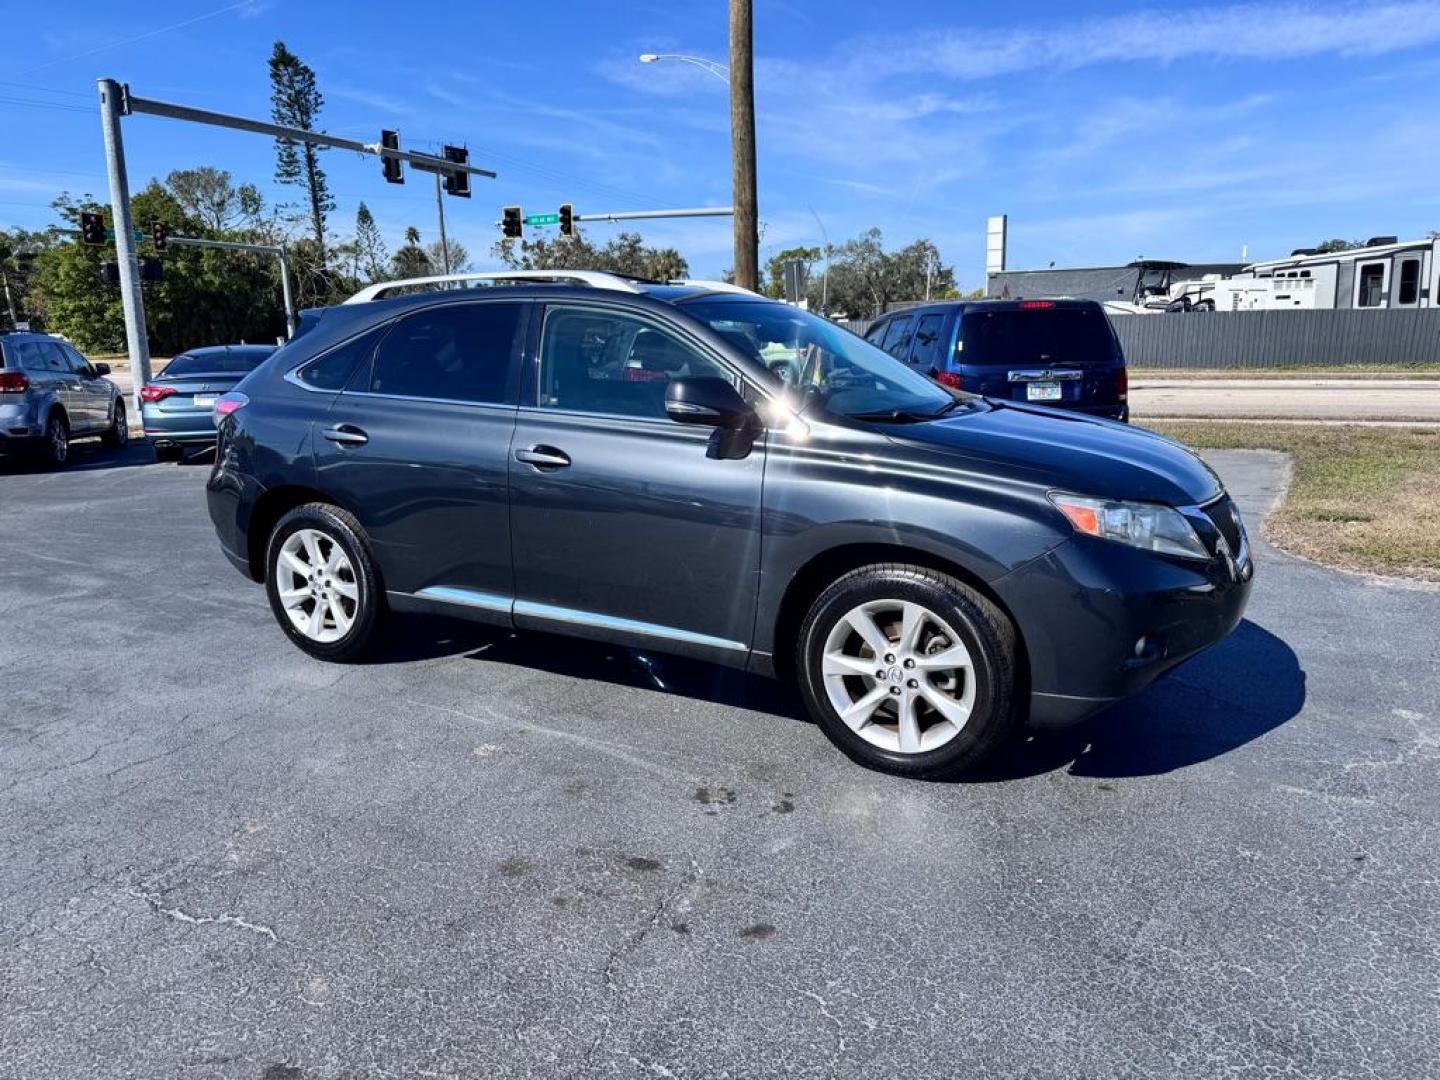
x,y
1054,335
825,366
229,361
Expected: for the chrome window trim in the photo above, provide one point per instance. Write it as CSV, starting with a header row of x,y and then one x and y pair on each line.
x,y
554,613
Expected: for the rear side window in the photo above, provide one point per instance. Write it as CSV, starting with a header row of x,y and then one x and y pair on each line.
x,y
458,352
1059,335
927,342
40,356
333,370
897,337
876,333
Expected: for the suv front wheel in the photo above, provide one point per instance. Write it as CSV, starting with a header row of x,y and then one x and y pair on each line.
x,y
909,671
322,583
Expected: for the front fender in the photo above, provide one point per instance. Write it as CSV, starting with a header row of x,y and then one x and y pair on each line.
x,y
840,488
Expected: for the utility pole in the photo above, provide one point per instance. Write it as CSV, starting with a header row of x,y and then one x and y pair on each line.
x,y
742,144
130,297
444,244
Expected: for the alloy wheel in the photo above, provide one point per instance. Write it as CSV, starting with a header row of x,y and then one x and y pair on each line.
x,y
899,676
316,585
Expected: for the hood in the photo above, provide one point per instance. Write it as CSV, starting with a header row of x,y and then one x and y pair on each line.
x,y
1067,452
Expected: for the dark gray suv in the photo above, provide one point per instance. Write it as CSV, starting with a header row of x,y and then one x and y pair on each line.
x,y
50,394
714,474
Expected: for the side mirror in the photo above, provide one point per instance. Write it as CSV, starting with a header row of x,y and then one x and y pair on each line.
x,y
707,400
101,369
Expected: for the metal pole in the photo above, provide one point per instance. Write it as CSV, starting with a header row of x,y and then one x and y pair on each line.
x,y
742,145
638,215
290,322
824,281
444,245
138,345
9,300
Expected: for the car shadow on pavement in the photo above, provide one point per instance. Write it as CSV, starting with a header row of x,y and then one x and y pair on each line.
x,y
1230,695
424,637
1214,703
90,455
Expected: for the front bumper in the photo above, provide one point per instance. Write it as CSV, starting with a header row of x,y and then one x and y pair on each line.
x,y
1102,621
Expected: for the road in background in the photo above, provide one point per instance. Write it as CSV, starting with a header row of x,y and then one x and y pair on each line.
x,y
497,855
1290,399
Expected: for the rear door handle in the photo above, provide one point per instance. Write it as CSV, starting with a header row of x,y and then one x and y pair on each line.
x,y
346,435
543,457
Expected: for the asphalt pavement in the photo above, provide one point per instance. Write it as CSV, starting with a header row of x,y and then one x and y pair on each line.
x,y
1154,398
490,855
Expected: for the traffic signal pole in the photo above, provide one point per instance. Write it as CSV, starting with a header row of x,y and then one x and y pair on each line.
x,y
117,102
137,343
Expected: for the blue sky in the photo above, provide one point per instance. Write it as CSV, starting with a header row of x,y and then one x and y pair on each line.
x,y
1105,131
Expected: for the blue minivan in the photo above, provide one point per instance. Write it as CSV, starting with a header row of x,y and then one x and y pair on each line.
x,y
1060,353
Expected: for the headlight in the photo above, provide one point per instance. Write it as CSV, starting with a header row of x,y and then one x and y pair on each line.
x,y
1149,526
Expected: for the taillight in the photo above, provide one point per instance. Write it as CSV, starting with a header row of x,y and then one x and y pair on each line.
x,y
1122,384
14,382
949,378
1036,305
229,403
153,394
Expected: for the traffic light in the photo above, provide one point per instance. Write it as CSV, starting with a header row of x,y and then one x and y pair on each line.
x,y
159,236
512,223
110,273
151,270
457,183
92,228
393,168
567,219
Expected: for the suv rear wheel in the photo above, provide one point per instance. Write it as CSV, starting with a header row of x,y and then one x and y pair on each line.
x,y
55,447
322,583
909,671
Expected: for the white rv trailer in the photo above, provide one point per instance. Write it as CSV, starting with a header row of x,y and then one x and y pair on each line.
x,y
1382,274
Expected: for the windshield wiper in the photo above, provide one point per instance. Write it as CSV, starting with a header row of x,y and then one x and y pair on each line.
x,y
904,416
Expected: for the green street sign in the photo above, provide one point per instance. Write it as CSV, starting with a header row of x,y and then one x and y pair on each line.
x,y
542,219
138,236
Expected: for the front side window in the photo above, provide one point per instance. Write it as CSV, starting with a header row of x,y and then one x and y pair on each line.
x,y
1409,282
825,367
927,342
77,363
1372,285
606,362
876,333
455,352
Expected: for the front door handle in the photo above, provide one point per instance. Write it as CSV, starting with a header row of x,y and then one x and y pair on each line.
x,y
346,435
543,457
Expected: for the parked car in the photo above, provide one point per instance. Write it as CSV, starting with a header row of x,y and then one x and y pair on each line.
x,y
1061,353
50,394
177,407
618,461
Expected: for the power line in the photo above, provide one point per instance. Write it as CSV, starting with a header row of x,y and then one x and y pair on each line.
x,y
45,89
44,105
138,37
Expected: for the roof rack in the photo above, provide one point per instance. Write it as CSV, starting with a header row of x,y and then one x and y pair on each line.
x,y
713,286
596,279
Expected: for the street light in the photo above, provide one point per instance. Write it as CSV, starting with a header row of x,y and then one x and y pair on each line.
x,y
719,70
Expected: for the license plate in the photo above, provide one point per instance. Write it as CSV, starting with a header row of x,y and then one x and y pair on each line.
x,y
205,401
1042,391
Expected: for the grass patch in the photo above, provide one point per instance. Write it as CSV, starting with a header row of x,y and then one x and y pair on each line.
x,y
1378,372
1363,498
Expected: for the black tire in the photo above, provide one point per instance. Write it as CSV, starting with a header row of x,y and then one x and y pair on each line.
x,y
986,632
340,528
119,432
54,448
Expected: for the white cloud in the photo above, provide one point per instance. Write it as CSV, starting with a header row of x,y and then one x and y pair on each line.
x,y
1270,31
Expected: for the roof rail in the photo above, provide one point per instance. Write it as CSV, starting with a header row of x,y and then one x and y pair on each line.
x,y
596,279
713,286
